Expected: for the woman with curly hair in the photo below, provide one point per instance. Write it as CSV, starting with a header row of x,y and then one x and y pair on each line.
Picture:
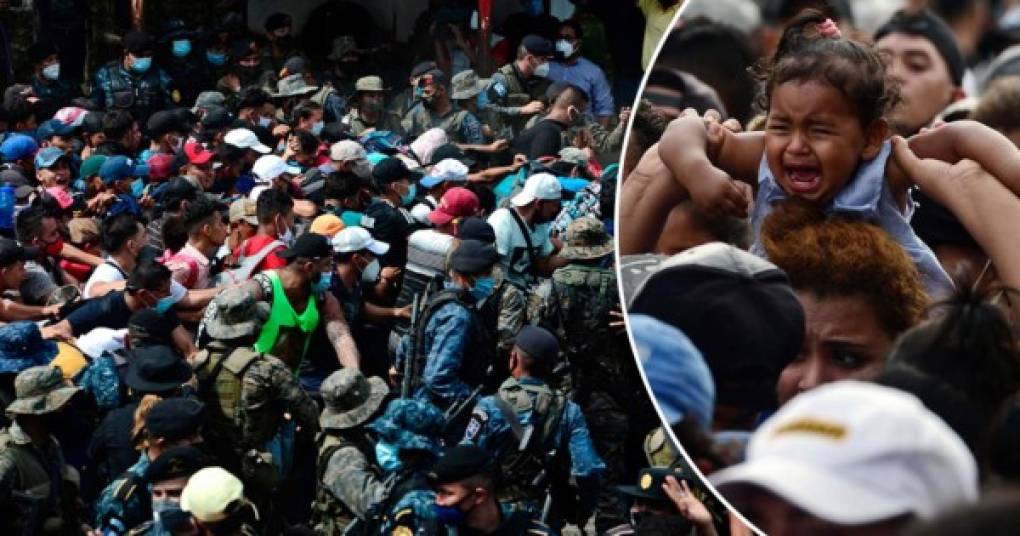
x,y
858,287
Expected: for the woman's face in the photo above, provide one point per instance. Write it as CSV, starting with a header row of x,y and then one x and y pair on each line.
x,y
842,341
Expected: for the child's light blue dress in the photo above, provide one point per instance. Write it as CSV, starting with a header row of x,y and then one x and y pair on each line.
x,y
866,197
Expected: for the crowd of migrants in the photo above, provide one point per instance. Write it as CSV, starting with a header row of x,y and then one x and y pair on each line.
x,y
822,279
271,310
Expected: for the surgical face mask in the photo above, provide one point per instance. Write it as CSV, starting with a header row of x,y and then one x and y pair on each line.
x,y
216,58
140,65
264,121
159,507
164,304
317,127
287,237
137,188
388,456
322,284
181,47
370,274
542,70
408,198
482,288
451,516
51,71
565,47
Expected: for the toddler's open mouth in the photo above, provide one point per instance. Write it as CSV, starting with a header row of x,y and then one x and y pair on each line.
x,y
803,179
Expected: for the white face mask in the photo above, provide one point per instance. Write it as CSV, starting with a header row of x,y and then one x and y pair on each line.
x,y
542,70
371,272
287,236
52,71
264,121
565,47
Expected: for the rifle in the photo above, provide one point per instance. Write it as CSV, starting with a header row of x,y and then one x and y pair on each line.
x,y
410,361
453,414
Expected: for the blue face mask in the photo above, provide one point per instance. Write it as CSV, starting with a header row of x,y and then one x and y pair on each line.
x,y
482,100
482,288
451,516
216,58
317,127
408,198
181,47
322,284
164,304
137,188
140,65
388,456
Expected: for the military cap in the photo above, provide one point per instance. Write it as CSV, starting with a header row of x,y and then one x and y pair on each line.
x,y
650,481
175,418
175,463
156,369
40,390
460,462
476,229
350,398
539,343
473,257
410,425
21,343
587,239
236,314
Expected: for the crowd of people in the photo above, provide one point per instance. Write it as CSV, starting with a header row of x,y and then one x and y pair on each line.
x,y
817,232
251,288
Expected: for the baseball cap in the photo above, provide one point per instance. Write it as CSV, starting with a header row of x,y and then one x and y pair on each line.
x,y
326,225
197,153
677,374
539,186
72,116
853,453
389,170
161,166
245,139
53,127
91,166
539,343
136,42
537,45
476,229
11,252
207,99
456,203
446,170
714,292
48,156
308,246
243,209
270,166
18,146
175,418
473,257
353,239
450,150
460,462
209,494
345,150
175,463
216,118
116,168
369,83
163,121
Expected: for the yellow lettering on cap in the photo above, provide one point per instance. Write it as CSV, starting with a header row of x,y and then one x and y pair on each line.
x,y
646,481
813,426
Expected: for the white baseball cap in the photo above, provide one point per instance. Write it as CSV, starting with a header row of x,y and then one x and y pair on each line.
x,y
352,239
245,139
347,150
539,186
209,493
448,169
852,453
270,166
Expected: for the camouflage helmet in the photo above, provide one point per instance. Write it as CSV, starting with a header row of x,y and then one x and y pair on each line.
x,y
350,398
410,425
235,314
587,239
40,390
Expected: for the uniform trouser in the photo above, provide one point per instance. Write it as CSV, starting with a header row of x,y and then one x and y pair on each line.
x,y
608,425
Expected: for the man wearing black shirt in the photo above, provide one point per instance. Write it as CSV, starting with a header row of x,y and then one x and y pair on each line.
x,y
545,138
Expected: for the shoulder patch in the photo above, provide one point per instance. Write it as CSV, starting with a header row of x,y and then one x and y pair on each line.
x,y
403,514
475,425
499,88
401,530
175,96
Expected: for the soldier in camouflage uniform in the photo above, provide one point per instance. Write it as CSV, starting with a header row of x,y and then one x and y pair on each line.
x,y
575,305
132,82
538,437
247,392
38,490
349,483
436,110
367,108
516,90
166,478
408,444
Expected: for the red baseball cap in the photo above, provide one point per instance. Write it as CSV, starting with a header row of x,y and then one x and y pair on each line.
x,y
161,166
456,203
197,153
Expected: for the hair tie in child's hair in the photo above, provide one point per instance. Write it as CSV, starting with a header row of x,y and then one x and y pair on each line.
x,y
827,28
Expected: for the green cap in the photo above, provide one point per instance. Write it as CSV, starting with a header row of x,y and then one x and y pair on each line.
x,y
90,167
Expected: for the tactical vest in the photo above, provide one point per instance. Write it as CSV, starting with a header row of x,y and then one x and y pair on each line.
x,y
124,91
220,375
382,513
519,93
423,121
35,504
480,347
330,516
521,470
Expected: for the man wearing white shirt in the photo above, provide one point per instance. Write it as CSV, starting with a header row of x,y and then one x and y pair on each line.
x,y
525,256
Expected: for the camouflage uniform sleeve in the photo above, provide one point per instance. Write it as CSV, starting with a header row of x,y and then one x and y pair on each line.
x,y
512,316
350,479
583,458
8,476
540,303
268,388
413,514
607,141
497,92
446,336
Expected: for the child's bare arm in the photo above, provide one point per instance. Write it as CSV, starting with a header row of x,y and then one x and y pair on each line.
x,y
705,160
972,193
973,141
646,198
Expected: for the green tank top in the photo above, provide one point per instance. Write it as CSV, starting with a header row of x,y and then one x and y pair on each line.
x,y
286,333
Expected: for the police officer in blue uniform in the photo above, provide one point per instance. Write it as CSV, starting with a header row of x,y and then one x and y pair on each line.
x,y
132,82
538,437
